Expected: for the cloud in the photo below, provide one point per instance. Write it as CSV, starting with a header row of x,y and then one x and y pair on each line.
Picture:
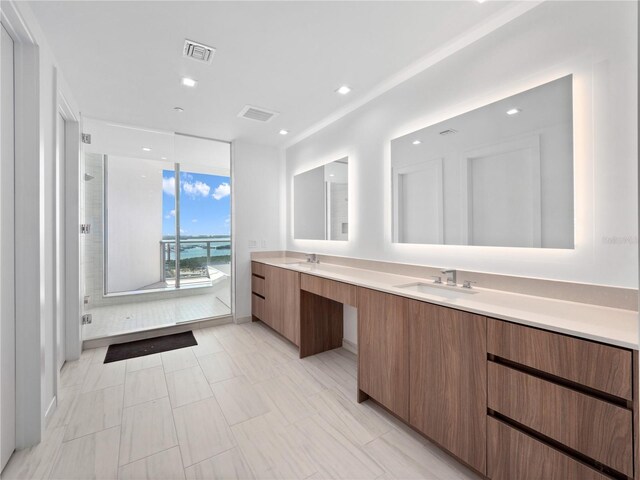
x,y
183,231
195,220
228,219
172,213
196,189
221,191
169,185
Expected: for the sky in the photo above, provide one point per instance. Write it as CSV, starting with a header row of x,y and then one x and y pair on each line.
x,y
204,204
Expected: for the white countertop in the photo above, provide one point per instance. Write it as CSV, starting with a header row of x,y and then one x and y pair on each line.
x,y
603,324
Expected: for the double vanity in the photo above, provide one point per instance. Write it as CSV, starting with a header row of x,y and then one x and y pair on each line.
x,y
512,385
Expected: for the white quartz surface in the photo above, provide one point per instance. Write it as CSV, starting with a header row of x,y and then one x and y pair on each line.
x,y
603,324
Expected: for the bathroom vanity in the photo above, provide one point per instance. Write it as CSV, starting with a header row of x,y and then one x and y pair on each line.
x,y
513,386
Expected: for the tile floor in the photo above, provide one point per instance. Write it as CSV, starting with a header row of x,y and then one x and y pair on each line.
x,y
134,317
240,404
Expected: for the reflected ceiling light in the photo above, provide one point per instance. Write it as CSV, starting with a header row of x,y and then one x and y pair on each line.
x,y
283,132
189,82
331,175
146,149
343,90
513,111
416,142
480,1
163,158
178,109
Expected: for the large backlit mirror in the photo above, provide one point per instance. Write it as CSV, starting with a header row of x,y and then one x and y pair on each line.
x,y
500,175
320,202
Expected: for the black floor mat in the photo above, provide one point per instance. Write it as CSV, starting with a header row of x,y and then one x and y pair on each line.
x,y
149,346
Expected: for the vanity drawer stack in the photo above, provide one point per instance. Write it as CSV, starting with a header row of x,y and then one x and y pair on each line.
x,y
559,407
258,290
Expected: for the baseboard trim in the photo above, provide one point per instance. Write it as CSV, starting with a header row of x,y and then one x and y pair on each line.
x,y
243,319
51,409
350,346
178,328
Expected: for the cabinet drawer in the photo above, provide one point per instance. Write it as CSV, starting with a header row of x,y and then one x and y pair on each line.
x,y
514,455
338,291
257,285
592,364
600,430
258,268
257,307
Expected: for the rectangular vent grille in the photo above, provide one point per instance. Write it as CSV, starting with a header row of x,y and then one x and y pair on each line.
x,y
198,51
256,113
448,132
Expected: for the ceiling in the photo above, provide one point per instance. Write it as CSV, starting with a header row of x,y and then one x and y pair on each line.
x,y
123,60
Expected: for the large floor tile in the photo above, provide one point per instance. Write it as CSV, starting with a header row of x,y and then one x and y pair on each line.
x,y
207,343
144,385
95,411
333,452
360,425
255,366
178,359
187,386
270,450
403,456
218,366
35,463
202,431
94,456
239,400
147,428
281,394
146,361
229,465
165,465
65,410
103,376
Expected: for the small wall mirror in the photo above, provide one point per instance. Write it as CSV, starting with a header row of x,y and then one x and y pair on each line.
x,y
320,202
500,175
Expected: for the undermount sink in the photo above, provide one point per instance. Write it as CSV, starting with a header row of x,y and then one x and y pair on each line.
x,y
437,290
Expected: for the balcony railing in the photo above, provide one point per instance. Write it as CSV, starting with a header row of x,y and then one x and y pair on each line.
x,y
196,255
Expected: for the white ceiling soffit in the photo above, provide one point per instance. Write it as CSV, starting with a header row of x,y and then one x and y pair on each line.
x,y
481,30
289,57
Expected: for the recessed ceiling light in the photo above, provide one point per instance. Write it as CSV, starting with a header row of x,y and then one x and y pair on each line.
x,y
283,132
146,149
416,142
343,90
189,82
178,109
480,1
513,111
163,158
332,175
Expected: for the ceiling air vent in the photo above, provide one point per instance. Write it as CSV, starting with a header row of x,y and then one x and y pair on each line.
x,y
198,51
257,113
448,132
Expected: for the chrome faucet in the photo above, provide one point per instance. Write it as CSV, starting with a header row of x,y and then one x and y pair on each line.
x,y
312,258
451,277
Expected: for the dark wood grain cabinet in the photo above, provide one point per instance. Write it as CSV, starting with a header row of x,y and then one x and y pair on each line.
x,y
448,379
383,349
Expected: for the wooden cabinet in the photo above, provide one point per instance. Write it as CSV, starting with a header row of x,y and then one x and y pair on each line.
x,y
383,349
276,299
448,380
337,291
514,455
601,367
590,426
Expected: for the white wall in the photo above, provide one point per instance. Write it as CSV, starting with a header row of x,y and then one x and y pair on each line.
x,y
256,178
597,42
36,369
134,192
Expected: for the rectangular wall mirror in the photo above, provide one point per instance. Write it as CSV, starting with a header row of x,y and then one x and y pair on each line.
x,y
320,202
500,175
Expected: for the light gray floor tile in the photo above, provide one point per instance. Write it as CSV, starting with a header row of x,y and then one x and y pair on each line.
x,y
95,411
229,465
218,366
239,400
144,385
178,359
93,456
187,386
282,395
202,431
165,465
36,462
147,428
146,361
103,376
